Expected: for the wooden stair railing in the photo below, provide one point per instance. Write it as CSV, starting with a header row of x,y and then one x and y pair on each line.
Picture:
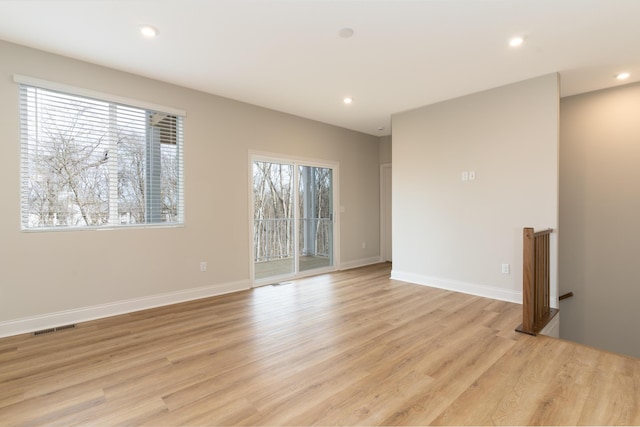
x,y
565,296
536,308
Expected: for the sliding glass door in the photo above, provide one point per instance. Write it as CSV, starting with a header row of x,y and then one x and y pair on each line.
x,y
293,219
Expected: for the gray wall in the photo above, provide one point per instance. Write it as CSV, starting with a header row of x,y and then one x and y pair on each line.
x,y
599,213
385,149
43,273
456,234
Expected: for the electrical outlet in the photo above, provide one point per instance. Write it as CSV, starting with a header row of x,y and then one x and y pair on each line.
x,y
465,175
203,265
506,269
364,245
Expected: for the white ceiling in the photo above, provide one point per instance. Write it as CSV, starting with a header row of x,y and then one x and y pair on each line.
x,y
288,56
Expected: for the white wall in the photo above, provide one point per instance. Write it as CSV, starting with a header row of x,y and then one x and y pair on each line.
x,y
599,212
454,234
89,273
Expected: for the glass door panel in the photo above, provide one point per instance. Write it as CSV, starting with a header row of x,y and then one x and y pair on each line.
x,y
315,217
273,234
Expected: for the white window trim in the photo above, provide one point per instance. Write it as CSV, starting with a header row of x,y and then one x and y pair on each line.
x,y
83,92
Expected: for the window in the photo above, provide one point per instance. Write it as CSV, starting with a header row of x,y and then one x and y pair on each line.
x,y
93,163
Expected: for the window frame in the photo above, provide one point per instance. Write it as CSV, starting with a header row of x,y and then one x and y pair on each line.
x,y
114,100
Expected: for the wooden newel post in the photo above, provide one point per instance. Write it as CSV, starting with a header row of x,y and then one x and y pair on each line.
x,y
528,280
536,294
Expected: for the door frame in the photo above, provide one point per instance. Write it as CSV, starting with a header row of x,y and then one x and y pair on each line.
x,y
295,161
385,168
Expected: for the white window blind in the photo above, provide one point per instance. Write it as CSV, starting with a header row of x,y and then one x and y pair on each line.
x,y
92,163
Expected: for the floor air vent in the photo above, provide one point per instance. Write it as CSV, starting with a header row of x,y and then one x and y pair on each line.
x,y
52,330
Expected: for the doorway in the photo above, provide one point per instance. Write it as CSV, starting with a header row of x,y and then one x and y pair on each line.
x,y
385,213
293,222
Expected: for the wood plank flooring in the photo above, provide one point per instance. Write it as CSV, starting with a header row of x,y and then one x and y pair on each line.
x,y
277,267
347,348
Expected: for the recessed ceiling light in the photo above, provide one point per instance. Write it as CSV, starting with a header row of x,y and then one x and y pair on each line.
x,y
516,41
149,31
345,33
381,128
623,76
348,100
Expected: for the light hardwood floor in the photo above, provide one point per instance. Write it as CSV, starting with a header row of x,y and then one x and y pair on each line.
x,y
347,348
285,266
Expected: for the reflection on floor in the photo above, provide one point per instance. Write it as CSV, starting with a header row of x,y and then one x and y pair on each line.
x,y
283,266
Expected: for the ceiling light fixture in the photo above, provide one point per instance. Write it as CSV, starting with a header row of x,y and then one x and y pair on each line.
x,y
149,31
623,76
348,100
516,41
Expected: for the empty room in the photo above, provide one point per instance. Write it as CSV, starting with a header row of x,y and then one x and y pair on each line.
x,y
283,212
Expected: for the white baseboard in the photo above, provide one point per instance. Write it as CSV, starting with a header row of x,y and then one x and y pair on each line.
x,y
84,314
464,287
360,263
